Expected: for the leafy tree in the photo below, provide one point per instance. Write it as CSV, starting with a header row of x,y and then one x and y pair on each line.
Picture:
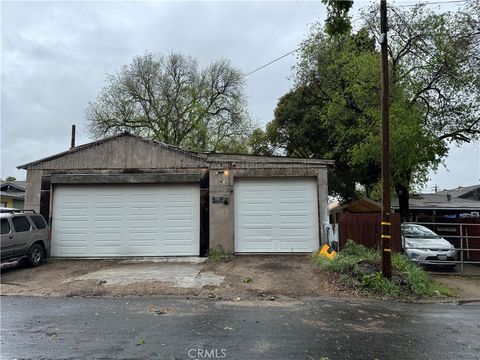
x,y
10,178
319,117
334,112
170,99
334,108
337,21
435,58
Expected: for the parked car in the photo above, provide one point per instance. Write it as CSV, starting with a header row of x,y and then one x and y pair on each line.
x,y
24,235
423,246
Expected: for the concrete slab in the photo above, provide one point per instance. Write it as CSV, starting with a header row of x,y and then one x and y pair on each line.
x,y
144,259
182,275
175,259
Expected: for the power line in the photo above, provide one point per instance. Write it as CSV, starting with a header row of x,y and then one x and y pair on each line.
x,y
283,56
275,60
303,46
433,3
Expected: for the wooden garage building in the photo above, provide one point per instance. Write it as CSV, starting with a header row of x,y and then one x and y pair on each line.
x,y
129,196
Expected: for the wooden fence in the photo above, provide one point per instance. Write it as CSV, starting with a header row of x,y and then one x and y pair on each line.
x,y
365,229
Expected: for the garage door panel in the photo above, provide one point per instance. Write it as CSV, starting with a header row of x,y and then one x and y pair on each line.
x,y
73,211
108,213
289,247
144,199
294,232
256,245
177,212
107,224
257,219
72,251
125,220
257,191
276,215
296,221
106,235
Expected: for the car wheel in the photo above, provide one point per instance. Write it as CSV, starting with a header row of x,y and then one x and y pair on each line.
x,y
35,255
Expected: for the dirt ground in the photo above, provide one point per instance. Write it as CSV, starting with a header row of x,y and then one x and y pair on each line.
x,y
266,276
245,278
466,287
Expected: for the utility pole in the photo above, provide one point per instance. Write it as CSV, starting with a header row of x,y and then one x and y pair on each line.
x,y
386,223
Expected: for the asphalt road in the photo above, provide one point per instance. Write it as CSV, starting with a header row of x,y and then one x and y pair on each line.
x,y
168,328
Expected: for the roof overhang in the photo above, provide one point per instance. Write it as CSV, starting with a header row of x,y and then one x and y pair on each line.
x,y
144,178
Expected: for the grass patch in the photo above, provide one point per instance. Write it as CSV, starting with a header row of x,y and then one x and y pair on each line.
x,y
218,253
359,268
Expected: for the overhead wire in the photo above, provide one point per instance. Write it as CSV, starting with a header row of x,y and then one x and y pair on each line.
x,y
305,45
283,56
434,3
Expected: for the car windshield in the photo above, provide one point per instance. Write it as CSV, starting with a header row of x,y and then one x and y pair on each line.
x,y
419,232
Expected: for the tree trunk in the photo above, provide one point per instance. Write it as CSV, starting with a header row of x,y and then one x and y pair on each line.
x,y
403,194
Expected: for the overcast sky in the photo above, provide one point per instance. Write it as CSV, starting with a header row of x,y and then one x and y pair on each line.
x,y
55,57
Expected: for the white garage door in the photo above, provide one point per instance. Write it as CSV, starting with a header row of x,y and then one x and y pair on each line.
x,y
125,220
276,215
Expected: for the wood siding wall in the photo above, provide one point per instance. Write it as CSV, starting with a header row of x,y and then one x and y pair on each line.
x,y
124,153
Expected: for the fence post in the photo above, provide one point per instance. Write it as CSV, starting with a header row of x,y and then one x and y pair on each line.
x,y
461,249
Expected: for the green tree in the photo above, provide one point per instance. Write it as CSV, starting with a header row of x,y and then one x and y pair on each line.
x,y
338,21
434,98
435,58
334,112
320,116
10,178
170,99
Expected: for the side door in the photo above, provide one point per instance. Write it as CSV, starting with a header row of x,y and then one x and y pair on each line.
x,y
7,241
23,234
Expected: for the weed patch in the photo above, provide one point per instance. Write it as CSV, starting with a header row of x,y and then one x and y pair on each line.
x,y
217,253
359,268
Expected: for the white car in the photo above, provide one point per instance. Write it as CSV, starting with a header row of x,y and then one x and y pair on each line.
x,y
423,246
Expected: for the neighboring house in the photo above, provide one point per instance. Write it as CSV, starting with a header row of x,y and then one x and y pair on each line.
x,y
12,194
462,202
463,192
363,205
129,196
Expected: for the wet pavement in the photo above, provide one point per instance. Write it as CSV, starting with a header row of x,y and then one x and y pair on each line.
x,y
173,328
